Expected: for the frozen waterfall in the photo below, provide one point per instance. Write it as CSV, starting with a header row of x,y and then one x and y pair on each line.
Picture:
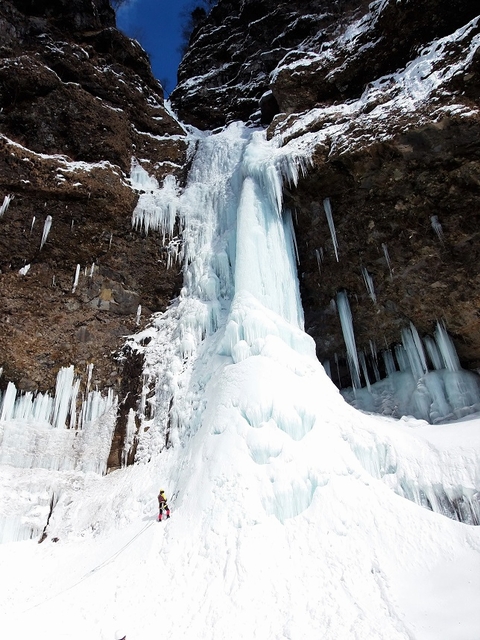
x,y
231,354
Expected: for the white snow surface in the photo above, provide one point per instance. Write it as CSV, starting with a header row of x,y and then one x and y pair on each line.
x,y
289,520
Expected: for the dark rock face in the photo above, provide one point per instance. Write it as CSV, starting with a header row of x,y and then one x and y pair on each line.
x,y
385,197
70,15
244,47
226,68
386,41
77,101
390,171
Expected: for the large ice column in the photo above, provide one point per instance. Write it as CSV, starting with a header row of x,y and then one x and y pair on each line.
x,y
265,258
237,245
267,298
206,217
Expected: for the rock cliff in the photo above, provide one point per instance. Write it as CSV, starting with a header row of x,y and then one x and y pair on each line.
x,y
77,102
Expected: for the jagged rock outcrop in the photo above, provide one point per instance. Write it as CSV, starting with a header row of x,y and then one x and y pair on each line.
x,y
384,100
226,68
77,101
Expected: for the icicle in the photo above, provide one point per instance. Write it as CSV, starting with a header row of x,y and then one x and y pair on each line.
x,y
110,241
289,220
319,256
89,378
139,314
373,351
53,282
335,355
363,364
326,366
46,230
6,202
419,346
402,358
63,394
75,280
8,402
346,322
92,270
331,225
73,403
437,227
389,362
71,225
32,225
414,348
367,278
24,270
447,348
433,353
387,258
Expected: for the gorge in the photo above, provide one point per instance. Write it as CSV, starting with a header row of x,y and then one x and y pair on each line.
x,y
172,277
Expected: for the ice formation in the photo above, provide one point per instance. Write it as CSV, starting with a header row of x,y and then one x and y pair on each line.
x,y
5,204
437,227
46,230
240,304
76,278
387,258
367,278
319,256
69,431
346,322
423,379
331,225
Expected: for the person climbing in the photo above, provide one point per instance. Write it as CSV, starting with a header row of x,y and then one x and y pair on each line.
x,y
162,505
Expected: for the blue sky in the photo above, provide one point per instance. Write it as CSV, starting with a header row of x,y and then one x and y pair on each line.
x,y
156,24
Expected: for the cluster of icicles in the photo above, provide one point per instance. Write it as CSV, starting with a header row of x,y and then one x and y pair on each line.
x,y
58,410
54,421
423,375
